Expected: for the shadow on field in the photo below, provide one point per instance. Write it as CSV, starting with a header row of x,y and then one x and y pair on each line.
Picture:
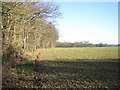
x,y
104,72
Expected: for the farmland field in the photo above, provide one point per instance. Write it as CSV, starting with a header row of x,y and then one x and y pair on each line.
x,y
83,67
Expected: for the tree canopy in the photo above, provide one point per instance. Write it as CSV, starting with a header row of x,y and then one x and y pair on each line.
x,y
27,26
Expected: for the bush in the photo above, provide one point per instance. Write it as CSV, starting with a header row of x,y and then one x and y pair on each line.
x,y
25,69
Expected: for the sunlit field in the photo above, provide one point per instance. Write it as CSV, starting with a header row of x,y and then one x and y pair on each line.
x,y
78,53
83,67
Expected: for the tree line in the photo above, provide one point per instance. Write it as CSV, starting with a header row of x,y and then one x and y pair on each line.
x,y
27,26
80,44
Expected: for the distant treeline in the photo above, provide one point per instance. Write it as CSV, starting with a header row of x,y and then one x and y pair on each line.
x,y
82,44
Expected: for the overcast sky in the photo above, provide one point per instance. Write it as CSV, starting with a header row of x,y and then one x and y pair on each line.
x,y
90,21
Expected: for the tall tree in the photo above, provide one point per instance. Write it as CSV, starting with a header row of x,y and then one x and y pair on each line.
x,y
28,26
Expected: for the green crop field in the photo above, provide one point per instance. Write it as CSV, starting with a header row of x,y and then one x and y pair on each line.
x,y
82,67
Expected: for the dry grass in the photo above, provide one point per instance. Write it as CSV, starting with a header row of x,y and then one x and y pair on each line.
x,y
95,67
89,67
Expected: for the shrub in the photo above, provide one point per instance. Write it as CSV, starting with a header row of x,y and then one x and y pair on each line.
x,y
25,69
